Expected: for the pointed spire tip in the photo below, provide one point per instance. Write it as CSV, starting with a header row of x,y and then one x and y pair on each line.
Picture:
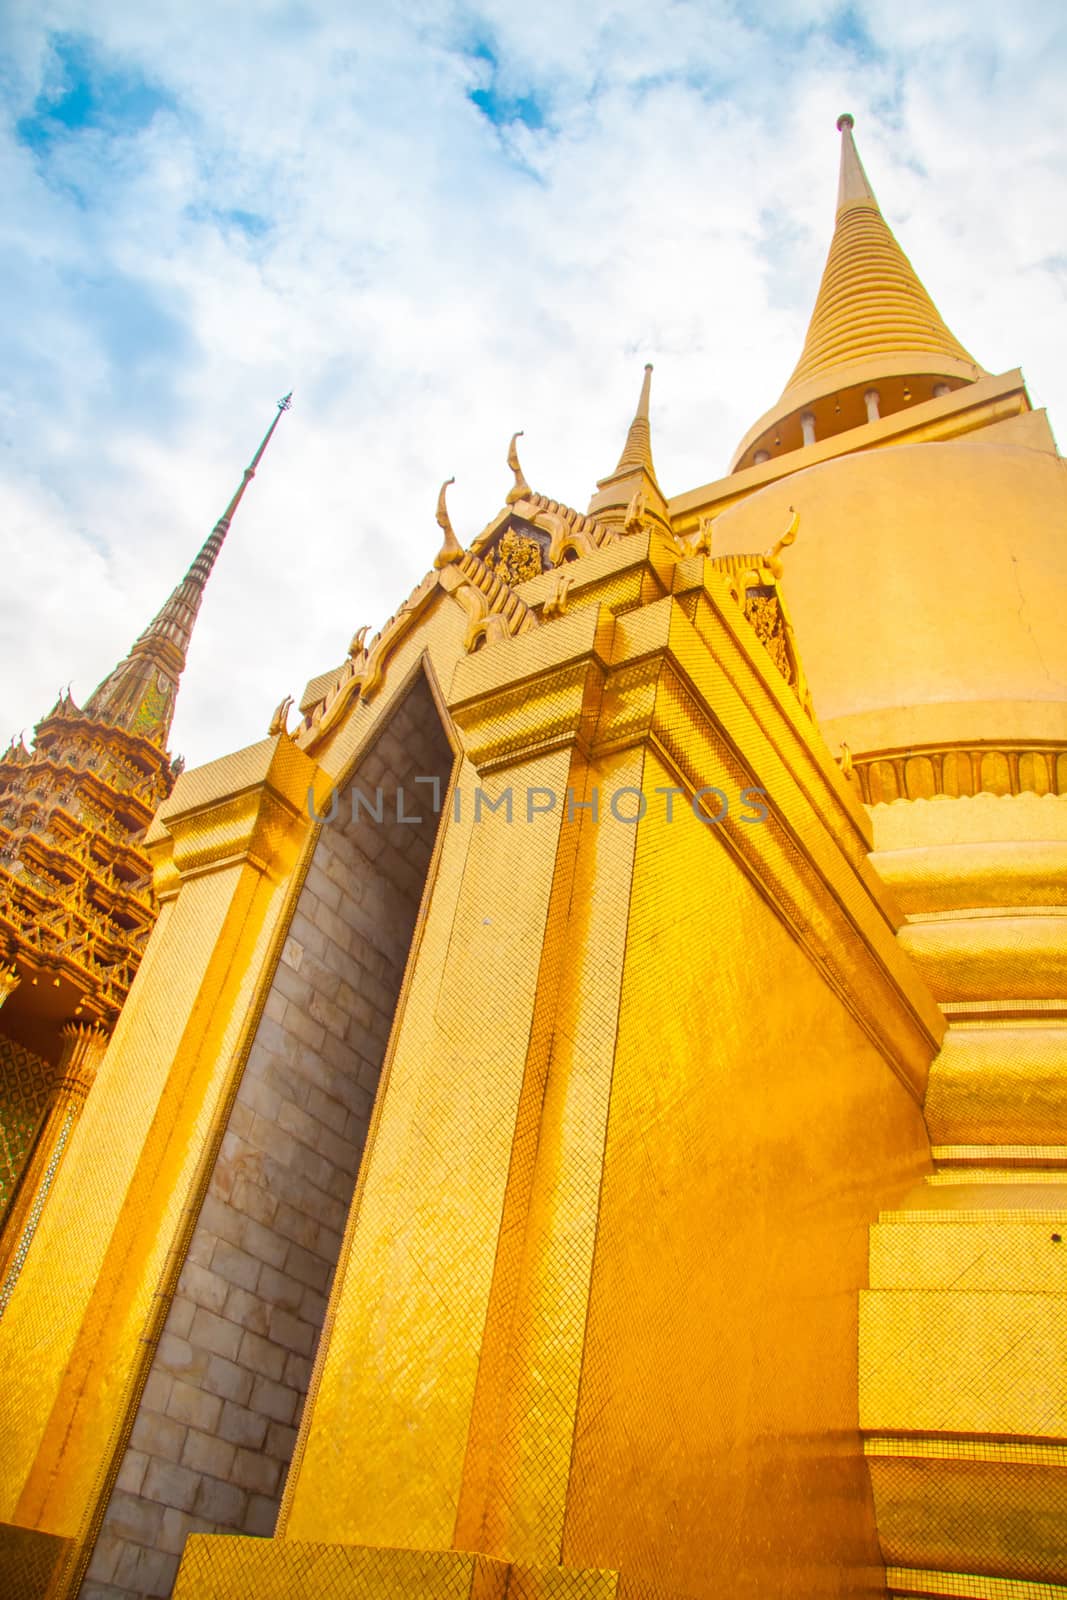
x,y
144,683
637,451
854,186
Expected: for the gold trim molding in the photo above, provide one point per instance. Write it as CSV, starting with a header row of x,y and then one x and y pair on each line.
x,y
924,771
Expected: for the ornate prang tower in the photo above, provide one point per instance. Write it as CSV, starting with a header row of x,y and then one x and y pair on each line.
x,y
589,1120
76,897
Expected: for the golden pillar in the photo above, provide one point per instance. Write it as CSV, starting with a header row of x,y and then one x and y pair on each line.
x,y
84,1045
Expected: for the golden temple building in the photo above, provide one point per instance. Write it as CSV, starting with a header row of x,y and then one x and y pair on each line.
x,y
588,1118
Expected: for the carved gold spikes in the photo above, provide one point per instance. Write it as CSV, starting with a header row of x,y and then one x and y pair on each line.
x,y
358,647
9,981
476,605
565,538
845,760
557,603
279,721
693,544
451,549
635,513
520,490
362,675
772,556
484,626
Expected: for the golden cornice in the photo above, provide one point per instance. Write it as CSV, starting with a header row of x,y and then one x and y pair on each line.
x,y
631,573
250,807
705,695
950,416
761,685
533,693
249,827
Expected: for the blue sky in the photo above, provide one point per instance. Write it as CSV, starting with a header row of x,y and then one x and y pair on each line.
x,y
438,223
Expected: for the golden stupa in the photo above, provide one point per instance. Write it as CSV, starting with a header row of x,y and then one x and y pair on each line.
x,y
588,1118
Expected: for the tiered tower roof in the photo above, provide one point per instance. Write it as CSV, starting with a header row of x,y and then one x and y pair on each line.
x,y
76,900
874,332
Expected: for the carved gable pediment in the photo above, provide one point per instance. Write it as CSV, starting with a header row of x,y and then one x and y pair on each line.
x,y
534,536
518,550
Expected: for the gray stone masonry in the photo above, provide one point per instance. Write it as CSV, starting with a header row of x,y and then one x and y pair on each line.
x,y
216,1426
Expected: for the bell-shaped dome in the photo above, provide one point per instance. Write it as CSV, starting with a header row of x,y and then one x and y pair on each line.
x,y
876,341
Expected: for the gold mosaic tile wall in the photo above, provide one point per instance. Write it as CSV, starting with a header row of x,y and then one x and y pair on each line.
x,y
216,1425
752,1131
25,1084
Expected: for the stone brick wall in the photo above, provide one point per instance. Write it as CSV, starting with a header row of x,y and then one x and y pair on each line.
x,y
217,1422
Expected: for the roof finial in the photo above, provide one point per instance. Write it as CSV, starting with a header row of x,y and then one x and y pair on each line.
x,y
451,549
139,694
637,451
614,500
854,188
284,404
520,490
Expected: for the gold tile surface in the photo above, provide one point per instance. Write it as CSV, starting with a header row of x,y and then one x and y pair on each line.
x,y
958,1362
388,1414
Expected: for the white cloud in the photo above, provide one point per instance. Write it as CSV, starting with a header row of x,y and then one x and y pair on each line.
x,y
288,197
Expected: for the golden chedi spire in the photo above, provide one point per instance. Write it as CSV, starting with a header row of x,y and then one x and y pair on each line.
x,y
76,899
875,343
139,695
633,481
637,451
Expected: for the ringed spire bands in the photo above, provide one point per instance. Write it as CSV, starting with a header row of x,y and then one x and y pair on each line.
x,y
632,489
874,331
637,451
